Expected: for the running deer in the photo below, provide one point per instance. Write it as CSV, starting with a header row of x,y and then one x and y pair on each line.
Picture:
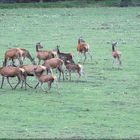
x,y
10,71
29,71
43,78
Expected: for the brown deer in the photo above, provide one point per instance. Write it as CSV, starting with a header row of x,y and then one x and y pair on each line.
x,y
77,68
116,54
29,71
64,56
11,71
83,48
43,55
42,78
17,53
55,63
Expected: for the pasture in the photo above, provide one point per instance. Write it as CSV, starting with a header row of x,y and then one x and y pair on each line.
x,y
107,105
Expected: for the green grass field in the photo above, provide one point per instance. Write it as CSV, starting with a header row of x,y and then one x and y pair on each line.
x,y
106,106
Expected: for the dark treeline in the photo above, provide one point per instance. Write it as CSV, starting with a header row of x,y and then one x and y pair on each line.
x,y
123,3
27,1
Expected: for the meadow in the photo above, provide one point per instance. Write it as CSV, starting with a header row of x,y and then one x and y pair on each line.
x,y
107,105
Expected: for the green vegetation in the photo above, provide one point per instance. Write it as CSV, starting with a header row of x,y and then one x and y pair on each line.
x,y
106,106
67,4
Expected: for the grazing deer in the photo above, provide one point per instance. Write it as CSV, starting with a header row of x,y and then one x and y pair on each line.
x,y
11,71
43,55
116,54
42,78
83,48
55,63
64,56
17,53
77,68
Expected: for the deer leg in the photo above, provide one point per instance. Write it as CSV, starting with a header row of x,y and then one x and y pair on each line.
x,y
90,55
79,73
28,85
25,83
36,85
113,61
19,80
5,62
66,74
39,61
85,57
56,85
56,71
70,75
2,82
49,85
22,84
62,74
20,61
40,85
9,82
120,63
78,55
51,71
13,62
61,71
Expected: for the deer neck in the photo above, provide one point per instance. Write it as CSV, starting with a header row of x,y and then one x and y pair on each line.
x,y
37,48
113,48
30,58
58,51
79,41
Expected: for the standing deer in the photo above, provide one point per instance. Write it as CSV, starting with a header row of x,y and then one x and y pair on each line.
x,y
43,55
116,54
17,53
83,48
77,68
55,63
64,56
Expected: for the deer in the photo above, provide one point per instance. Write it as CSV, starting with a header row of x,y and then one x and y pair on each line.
x,y
64,56
83,48
116,54
17,53
77,68
43,55
29,71
43,78
10,71
55,63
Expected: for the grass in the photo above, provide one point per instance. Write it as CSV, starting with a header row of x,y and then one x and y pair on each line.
x,y
106,106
